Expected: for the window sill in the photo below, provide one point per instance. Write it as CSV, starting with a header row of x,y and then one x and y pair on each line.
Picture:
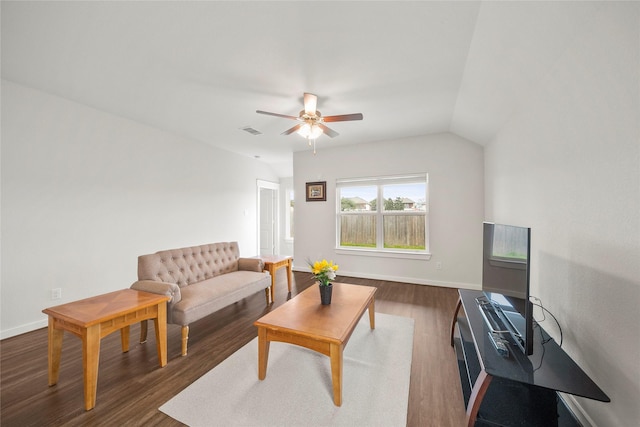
x,y
384,253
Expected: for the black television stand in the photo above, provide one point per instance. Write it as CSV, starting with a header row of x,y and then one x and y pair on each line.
x,y
515,389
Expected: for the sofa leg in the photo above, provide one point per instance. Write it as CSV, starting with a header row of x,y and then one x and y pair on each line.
x,y
267,292
185,338
143,331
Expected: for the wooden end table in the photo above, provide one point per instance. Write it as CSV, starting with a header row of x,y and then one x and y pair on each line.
x,y
323,328
271,264
92,319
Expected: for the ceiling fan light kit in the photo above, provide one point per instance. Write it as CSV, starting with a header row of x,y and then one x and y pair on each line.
x,y
312,123
310,131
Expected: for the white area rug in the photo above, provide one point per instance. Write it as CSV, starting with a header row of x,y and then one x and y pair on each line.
x,y
297,390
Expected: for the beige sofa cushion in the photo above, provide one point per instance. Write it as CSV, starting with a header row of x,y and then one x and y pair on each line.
x,y
203,298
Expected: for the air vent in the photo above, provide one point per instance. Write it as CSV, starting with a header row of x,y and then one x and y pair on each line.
x,y
251,130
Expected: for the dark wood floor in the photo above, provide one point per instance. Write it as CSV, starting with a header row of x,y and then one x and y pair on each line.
x,y
131,386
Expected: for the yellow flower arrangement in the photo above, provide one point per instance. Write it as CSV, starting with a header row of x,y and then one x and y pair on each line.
x,y
324,271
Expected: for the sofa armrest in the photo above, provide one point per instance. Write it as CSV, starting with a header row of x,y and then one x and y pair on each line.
x,y
169,289
251,264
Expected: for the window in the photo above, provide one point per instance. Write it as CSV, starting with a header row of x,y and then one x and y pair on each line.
x,y
387,214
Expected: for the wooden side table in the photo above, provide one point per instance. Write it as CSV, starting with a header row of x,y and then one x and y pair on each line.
x,y
92,319
271,264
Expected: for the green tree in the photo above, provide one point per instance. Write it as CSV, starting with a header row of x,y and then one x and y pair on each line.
x,y
373,204
393,205
347,204
398,205
388,204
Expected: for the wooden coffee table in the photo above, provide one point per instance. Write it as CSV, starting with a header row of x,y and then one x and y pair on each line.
x,y
322,328
92,319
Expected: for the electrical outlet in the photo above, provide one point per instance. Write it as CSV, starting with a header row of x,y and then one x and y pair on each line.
x,y
438,265
56,293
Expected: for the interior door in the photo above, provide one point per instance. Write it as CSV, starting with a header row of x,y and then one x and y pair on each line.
x,y
267,218
267,222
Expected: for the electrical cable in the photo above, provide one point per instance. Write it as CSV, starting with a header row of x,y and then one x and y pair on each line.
x,y
544,318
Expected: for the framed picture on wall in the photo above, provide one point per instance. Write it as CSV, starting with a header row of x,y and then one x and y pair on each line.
x,y
317,191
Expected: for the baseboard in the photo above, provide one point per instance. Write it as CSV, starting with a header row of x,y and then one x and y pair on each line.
x,y
23,329
573,405
403,279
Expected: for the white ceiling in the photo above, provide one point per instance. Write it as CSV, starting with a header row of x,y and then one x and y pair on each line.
x,y
201,69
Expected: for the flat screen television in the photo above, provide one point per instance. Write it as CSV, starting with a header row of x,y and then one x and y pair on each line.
x,y
505,279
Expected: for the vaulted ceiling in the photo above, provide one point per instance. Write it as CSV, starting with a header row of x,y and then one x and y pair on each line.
x,y
201,69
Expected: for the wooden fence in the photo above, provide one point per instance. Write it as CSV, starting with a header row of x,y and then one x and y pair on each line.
x,y
400,231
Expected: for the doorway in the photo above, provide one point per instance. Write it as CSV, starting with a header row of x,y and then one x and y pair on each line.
x,y
267,217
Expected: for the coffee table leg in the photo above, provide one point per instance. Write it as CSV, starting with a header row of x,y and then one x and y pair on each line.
x,y
336,372
263,353
90,359
372,314
55,351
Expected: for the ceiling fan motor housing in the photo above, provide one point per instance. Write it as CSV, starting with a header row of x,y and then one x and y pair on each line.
x,y
317,117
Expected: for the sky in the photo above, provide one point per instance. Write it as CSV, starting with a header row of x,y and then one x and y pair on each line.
x,y
415,192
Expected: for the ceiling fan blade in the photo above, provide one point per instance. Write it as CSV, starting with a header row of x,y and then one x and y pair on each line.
x,y
277,115
292,130
343,117
310,103
327,131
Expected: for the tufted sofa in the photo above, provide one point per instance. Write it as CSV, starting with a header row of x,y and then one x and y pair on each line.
x,y
199,280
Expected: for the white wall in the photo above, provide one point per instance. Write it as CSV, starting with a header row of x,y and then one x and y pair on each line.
x,y
455,168
84,193
568,166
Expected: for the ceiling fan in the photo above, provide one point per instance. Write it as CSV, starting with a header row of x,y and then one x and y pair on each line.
x,y
312,123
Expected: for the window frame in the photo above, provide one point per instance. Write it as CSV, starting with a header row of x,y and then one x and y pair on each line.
x,y
379,182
